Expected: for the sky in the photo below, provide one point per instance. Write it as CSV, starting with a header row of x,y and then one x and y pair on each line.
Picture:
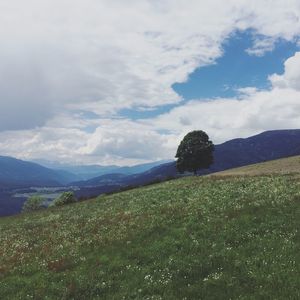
x,y
121,82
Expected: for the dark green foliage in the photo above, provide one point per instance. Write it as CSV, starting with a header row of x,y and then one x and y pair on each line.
x,y
33,203
64,198
194,152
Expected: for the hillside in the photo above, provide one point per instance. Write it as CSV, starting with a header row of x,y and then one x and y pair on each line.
x,y
190,238
287,165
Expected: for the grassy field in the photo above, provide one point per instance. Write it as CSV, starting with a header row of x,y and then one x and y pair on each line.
x,y
191,238
290,165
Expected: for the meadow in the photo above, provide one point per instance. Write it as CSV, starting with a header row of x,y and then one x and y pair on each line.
x,y
284,166
217,237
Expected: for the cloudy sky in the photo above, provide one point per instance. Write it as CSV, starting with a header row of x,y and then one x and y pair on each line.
x,y
121,82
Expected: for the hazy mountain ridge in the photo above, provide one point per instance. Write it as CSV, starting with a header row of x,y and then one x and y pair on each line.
x,y
86,172
18,173
159,172
266,146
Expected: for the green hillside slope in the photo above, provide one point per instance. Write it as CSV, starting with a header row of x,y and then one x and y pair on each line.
x,y
289,165
192,238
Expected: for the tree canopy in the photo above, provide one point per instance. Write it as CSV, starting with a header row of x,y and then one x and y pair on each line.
x,y
194,152
64,198
34,202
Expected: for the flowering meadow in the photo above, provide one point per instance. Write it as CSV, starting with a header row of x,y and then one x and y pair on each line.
x,y
190,238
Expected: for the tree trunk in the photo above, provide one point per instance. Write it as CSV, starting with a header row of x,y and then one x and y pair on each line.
x,y
195,172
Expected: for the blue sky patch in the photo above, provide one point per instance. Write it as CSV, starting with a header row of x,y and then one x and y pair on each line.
x,y
236,69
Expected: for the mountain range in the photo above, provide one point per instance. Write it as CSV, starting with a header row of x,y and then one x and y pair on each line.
x,y
86,172
16,174
266,146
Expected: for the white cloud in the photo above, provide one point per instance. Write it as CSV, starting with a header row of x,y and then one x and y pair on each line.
x,y
250,113
261,46
126,142
291,76
119,142
104,55
59,57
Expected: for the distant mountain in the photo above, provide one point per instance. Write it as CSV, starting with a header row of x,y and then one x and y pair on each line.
x,y
18,173
82,172
85,172
266,146
160,172
114,178
115,182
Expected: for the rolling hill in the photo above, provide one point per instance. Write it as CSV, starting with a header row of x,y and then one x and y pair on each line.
x,y
191,238
115,182
290,165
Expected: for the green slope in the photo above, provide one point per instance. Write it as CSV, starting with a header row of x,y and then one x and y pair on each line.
x,y
289,165
192,238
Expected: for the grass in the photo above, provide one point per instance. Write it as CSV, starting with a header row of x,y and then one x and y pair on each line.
x,y
289,165
191,238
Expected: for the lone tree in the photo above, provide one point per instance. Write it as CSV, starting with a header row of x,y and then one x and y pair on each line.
x,y
194,152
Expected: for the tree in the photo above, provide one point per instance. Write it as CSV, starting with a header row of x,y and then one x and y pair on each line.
x,y
64,198
34,202
194,152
